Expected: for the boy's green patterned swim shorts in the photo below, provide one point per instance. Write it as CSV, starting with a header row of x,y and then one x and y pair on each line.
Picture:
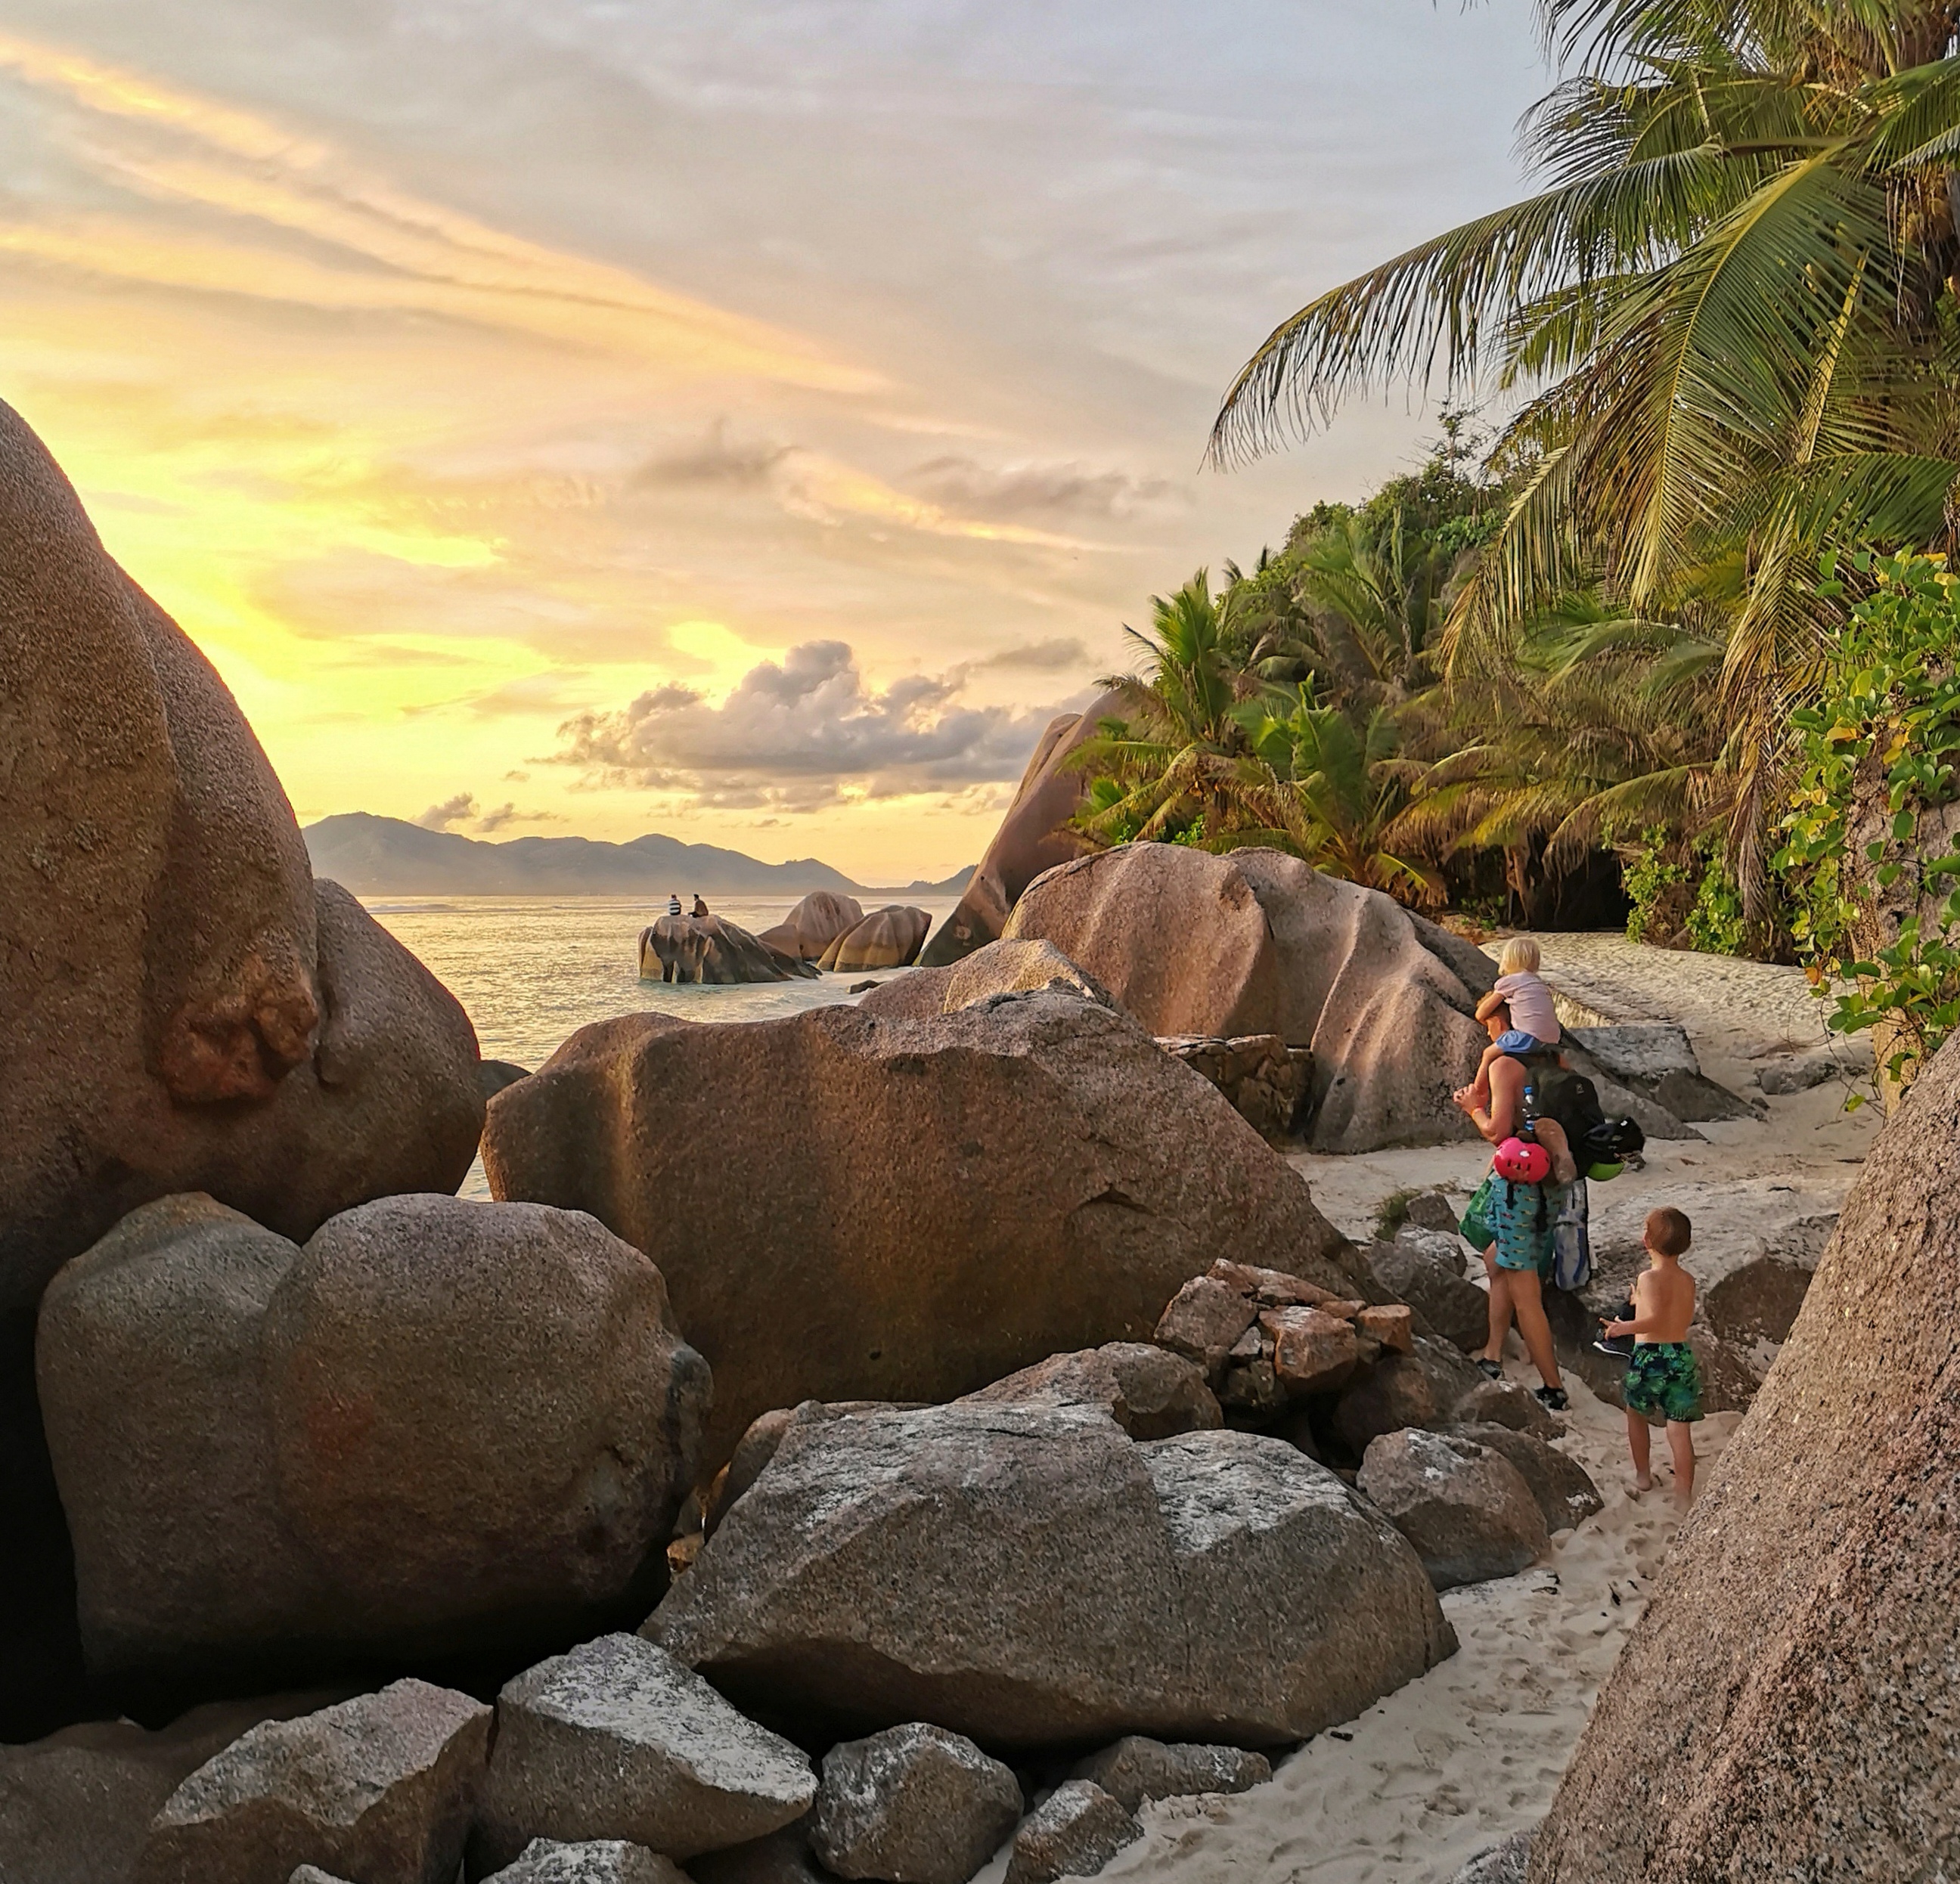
x,y
1662,1378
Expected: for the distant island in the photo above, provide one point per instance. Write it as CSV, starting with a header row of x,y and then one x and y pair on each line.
x,y
387,856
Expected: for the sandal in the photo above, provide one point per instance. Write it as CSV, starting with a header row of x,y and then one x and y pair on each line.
x,y
1490,1369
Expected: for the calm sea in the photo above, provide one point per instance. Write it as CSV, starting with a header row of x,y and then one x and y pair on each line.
x,y
531,970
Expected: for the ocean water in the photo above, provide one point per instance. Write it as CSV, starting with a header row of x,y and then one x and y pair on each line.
x,y
531,970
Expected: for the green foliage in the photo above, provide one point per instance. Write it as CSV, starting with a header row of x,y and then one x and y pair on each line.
x,y
1731,307
1648,879
1875,754
1716,925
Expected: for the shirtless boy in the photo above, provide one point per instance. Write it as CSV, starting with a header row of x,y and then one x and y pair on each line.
x,y
1662,1377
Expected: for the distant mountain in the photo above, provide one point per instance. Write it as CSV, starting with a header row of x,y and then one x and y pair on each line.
x,y
385,856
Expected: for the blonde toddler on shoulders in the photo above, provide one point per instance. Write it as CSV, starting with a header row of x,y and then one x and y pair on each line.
x,y
1521,997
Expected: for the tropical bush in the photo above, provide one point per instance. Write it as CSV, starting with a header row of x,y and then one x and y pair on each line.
x,y
1871,840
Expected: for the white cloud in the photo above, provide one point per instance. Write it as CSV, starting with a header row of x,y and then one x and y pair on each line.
x,y
805,733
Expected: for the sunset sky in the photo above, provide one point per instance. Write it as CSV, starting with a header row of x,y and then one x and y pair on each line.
x,y
751,422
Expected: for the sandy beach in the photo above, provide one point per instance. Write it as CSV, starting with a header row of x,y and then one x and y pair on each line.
x,y
1444,1767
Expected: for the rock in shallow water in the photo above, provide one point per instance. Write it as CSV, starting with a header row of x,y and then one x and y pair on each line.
x,y
1029,1576
852,1243
914,1805
383,1786
617,1740
437,1427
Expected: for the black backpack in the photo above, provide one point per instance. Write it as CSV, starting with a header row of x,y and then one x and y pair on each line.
x,y
1553,1091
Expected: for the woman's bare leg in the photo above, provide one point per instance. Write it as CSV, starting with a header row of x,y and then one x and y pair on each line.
x,y
1500,1307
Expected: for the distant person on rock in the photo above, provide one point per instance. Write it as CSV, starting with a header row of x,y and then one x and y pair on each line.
x,y
1513,1219
700,907
674,904
1662,1376
1534,1025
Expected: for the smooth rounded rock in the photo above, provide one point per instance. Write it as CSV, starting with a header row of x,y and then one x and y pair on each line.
x,y
1259,942
913,1805
887,938
1564,1490
863,1252
814,924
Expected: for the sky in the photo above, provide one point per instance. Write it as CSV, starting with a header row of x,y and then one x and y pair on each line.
x,y
749,422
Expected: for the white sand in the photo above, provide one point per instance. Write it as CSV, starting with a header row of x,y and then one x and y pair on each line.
x,y
1448,1765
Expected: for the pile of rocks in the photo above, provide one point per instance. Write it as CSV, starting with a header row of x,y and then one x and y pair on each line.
x,y
1268,1082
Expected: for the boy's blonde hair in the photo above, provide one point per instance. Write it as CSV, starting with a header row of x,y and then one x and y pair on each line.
x,y
1520,957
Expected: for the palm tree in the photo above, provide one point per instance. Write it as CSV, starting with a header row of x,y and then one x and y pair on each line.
x,y
1340,793
1734,304
1178,756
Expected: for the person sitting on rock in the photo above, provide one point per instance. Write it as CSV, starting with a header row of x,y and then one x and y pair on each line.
x,y
674,904
700,907
1532,1026
1662,1376
1513,1223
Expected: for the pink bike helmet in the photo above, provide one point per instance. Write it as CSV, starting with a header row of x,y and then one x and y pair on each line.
x,y
1521,1161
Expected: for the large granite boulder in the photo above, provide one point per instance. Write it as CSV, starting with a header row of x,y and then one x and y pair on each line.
x,y
185,1008
438,1426
75,1807
710,948
1258,942
1001,967
888,938
1784,1708
813,925
161,946
1033,837
383,1786
617,1740
1030,1577
859,1249
1563,1487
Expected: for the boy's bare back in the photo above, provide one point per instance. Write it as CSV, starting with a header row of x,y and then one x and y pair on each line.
x,y
1664,1294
